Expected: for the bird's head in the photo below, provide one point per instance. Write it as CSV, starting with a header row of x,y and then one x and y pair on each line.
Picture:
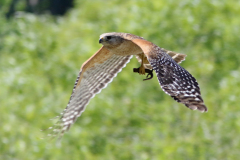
x,y
111,39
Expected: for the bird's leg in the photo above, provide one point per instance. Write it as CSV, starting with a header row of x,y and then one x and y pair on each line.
x,y
142,70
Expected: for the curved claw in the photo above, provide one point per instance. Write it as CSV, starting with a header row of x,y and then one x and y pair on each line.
x,y
150,73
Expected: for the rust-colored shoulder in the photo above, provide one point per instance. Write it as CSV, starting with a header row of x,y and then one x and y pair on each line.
x,y
99,57
146,46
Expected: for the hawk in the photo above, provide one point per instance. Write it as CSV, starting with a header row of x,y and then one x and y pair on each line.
x,y
116,52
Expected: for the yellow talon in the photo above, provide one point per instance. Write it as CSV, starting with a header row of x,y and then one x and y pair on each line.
x,y
141,70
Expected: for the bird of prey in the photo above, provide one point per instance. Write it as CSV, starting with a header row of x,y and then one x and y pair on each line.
x,y
116,52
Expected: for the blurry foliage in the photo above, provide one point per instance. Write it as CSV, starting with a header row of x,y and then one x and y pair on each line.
x,y
40,57
55,7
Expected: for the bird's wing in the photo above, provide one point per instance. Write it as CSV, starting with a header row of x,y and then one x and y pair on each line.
x,y
95,74
177,57
173,79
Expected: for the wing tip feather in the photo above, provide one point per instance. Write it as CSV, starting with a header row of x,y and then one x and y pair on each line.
x,y
200,107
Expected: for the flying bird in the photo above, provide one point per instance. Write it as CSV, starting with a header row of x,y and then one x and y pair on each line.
x,y
116,52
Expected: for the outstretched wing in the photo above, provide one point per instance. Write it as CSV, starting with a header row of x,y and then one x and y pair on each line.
x,y
94,75
174,80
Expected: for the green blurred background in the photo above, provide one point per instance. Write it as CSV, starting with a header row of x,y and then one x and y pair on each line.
x,y
40,57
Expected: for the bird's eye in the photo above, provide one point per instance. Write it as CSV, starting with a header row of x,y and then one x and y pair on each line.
x,y
109,37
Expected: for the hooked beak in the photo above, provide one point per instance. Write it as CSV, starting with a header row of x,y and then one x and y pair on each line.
x,y
100,40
